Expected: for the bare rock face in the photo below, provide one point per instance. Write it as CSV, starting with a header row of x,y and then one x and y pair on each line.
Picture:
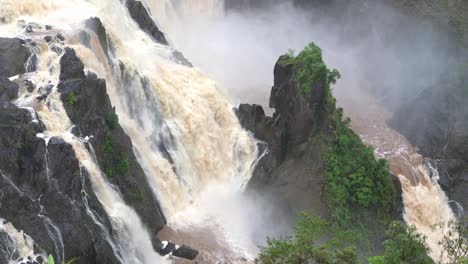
x,y
142,17
292,169
13,57
89,108
45,193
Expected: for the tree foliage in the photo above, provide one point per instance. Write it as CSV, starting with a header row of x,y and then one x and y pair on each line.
x,y
354,179
403,246
455,241
314,241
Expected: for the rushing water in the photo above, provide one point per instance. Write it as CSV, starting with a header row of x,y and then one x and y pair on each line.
x,y
169,109
166,109
425,203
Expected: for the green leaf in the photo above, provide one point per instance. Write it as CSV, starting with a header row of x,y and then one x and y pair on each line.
x,y
50,260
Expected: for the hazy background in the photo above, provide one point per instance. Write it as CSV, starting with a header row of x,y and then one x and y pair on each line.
x,y
378,48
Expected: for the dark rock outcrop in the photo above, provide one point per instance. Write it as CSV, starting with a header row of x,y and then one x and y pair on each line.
x,y
89,108
72,67
293,166
44,189
8,90
143,18
13,56
185,252
437,123
96,26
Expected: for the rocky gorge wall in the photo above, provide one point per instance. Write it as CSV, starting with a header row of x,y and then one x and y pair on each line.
x,y
45,190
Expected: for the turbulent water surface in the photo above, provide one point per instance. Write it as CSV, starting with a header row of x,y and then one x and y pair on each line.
x,y
161,101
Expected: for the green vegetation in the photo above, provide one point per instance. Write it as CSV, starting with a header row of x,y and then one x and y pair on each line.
x,y
50,260
120,164
309,69
317,241
314,241
356,183
71,98
455,241
112,120
404,245
135,193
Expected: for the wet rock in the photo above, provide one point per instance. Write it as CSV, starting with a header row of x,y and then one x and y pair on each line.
x,y
85,38
185,252
13,56
48,27
29,85
57,49
95,25
60,37
71,66
48,39
143,18
89,108
29,170
8,90
168,247
292,169
180,58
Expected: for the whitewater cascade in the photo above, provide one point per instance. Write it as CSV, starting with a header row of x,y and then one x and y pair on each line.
x,y
425,203
195,154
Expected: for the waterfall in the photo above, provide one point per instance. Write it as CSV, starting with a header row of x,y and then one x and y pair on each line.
x,y
184,132
17,244
425,203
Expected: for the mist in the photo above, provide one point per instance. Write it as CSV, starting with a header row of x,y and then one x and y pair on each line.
x,y
375,47
386,58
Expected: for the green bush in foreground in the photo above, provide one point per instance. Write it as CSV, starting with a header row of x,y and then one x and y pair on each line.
x,y
317,241
404,246
314,241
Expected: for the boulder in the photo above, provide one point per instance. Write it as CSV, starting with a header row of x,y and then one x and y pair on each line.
x,y
8,90
13,56
185,252
71,66
168,247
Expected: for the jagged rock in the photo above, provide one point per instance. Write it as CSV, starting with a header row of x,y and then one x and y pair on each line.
x,y
8,90
95,25
168,248
71,66
89,108
13,56
185,252
42,187
25,177
292,170
142,17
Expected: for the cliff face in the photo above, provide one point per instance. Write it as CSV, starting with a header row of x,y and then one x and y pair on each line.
x,y
437,123
44,190
292,168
